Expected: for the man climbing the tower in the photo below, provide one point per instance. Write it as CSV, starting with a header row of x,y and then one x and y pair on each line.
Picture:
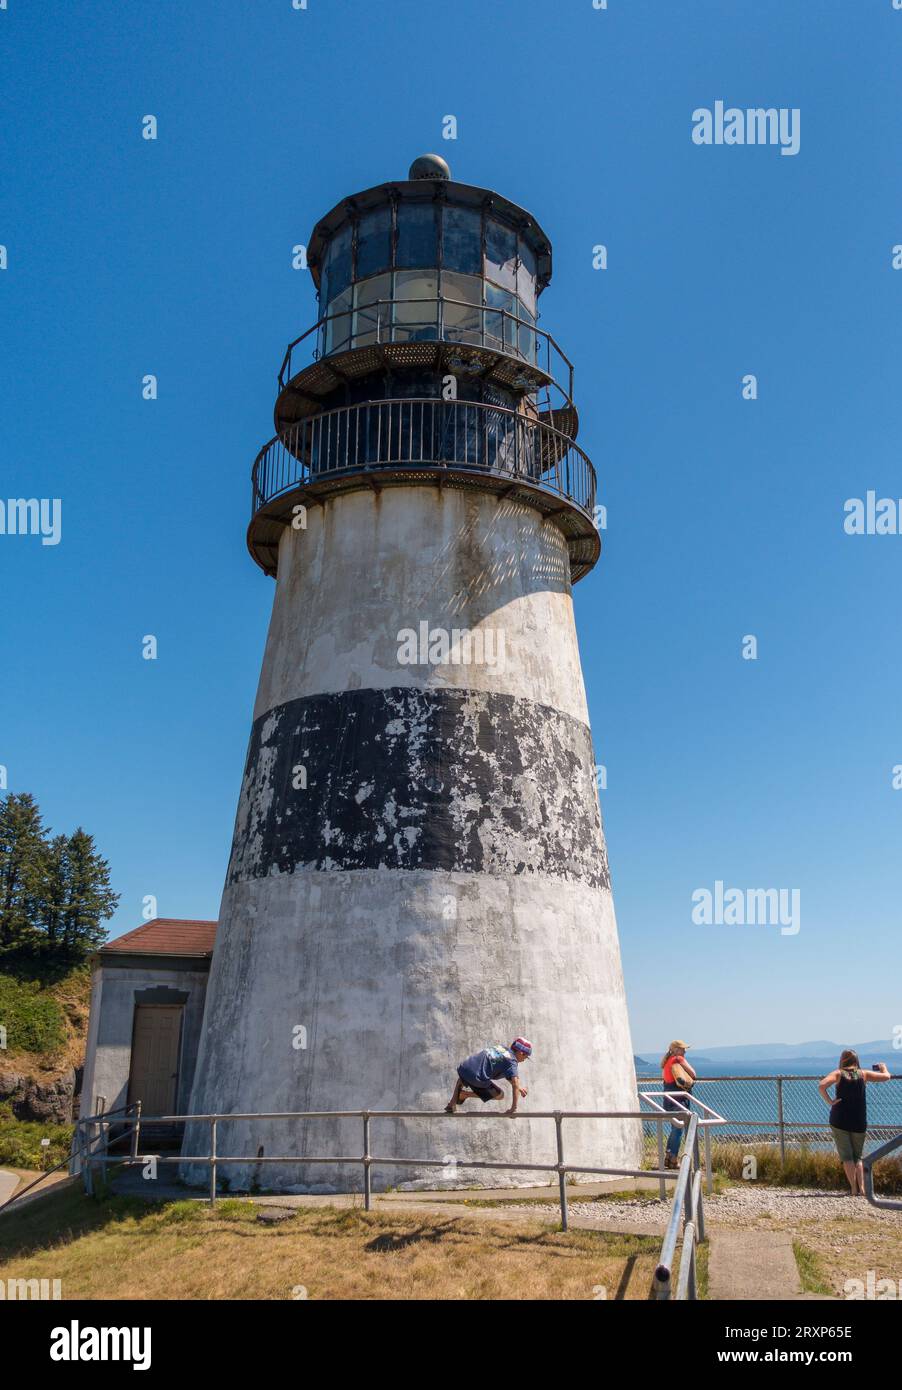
x,y
477,1076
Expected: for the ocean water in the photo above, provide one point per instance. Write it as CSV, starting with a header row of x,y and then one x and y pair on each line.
x,y
752,1094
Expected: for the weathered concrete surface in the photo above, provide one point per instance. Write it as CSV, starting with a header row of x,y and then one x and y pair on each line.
x,y
115,990
370,565
396,976
441,881
752,1264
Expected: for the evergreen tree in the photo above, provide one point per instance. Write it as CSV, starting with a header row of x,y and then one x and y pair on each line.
x,y
22,858
91,900
55,893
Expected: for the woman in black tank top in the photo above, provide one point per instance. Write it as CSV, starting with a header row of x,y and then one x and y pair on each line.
x,y
850,1109
849,1112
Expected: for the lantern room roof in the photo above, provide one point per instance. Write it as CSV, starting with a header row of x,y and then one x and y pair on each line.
x,y
428,189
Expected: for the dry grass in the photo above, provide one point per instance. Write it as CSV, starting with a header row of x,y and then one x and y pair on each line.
x,y
123,1249
839,1251
817,1168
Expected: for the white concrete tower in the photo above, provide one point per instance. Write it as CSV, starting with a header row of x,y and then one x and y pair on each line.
x,y
418,866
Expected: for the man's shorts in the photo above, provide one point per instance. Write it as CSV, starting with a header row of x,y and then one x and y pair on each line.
x,y
849,1143
482,1092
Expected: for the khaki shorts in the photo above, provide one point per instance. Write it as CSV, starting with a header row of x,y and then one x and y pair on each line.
x,y
849,1143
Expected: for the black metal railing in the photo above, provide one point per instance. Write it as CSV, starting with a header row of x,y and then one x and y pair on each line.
x,y
420,433
434,320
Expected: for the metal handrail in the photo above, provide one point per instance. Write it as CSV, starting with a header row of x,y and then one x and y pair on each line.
x,y
444,332
688,1202
424,432
687,1207
705,1121
687,1280
710,1117
369,1160
867,1164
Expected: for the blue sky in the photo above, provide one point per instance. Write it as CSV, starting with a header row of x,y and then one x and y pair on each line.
x,y
173,257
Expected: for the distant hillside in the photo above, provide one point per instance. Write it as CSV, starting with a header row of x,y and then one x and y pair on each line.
x,y
819,1051
45,1017
775,1052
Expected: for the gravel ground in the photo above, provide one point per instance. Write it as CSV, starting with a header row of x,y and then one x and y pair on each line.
x,y
738,1206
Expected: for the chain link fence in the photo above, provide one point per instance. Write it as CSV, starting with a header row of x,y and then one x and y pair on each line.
x,y
781,1117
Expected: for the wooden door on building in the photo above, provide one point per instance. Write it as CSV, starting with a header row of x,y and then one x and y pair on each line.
x,y
156,1040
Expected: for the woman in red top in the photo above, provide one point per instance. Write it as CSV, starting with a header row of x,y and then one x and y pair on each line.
x,y
676,1073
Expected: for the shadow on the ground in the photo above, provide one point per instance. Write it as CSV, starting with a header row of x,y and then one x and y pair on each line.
x,y
390,1241
61,1217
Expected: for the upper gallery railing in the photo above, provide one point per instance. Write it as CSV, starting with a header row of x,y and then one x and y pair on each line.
x,y
421,433
434,320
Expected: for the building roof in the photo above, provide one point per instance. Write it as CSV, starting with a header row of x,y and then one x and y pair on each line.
x,y
166,936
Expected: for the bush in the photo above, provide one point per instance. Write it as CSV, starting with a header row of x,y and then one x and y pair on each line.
x,y
32,1018
20,1142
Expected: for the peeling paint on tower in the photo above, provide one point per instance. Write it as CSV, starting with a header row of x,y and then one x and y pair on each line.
x,y
420,779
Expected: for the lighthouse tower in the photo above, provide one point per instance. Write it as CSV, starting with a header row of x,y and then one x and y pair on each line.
x,y
418,866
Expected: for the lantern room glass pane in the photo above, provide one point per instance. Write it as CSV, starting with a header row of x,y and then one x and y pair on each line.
x,y
462,246
463,312
374,243
416,306
371,319
526,338
337,271
338,328
417,235
526,275
500,329
500,254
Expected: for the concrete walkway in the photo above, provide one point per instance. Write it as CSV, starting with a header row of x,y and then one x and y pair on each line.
x,y
752,1264
131,1182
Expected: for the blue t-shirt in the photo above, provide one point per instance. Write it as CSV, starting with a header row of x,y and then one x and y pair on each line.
x,y
487,1066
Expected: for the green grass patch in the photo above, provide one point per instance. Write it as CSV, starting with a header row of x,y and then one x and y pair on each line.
x,y
810,1269
234,1209
177,1212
